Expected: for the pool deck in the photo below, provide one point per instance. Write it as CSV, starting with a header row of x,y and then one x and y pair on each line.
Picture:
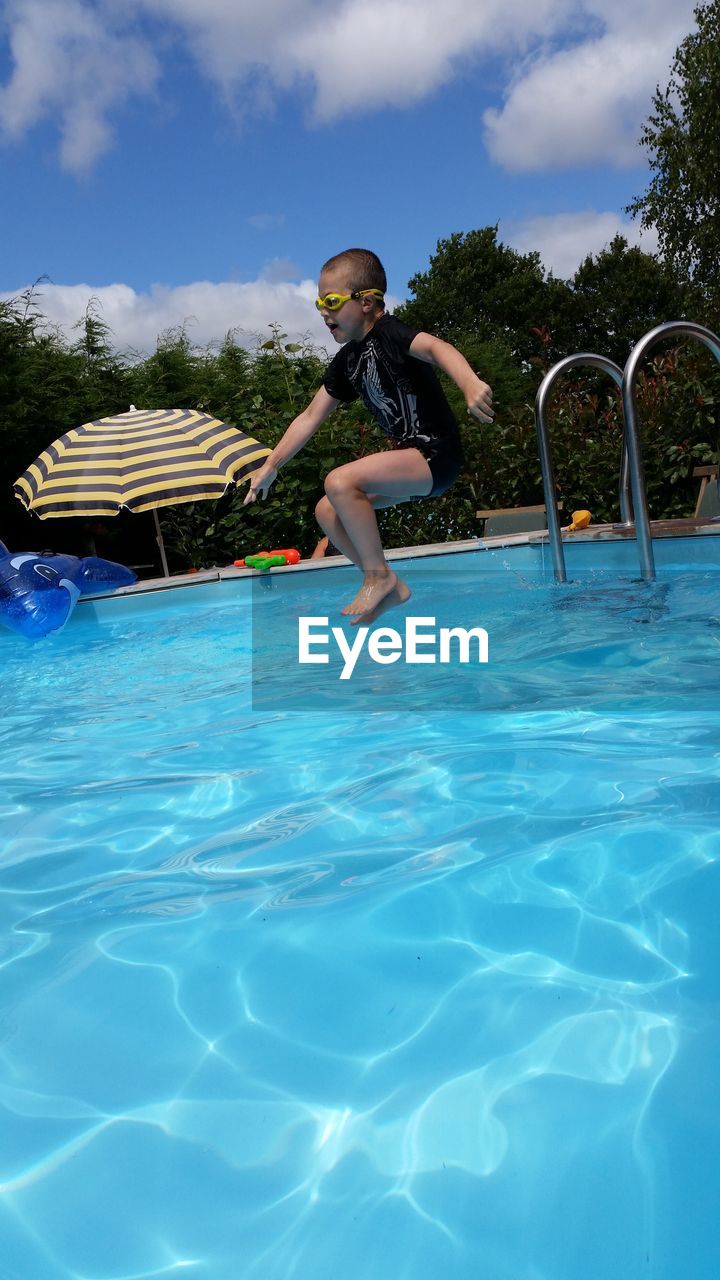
x,y
684,528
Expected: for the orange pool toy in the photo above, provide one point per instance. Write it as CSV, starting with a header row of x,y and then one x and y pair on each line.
x,y
291,554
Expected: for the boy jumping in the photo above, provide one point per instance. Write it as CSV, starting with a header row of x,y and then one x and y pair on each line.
x,y
385,362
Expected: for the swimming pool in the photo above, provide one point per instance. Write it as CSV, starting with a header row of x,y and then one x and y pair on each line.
x,y
300,983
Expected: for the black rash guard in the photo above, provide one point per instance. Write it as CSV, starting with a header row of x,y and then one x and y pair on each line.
x,y
403,395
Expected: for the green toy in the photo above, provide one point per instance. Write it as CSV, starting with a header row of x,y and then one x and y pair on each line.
x,y
264,562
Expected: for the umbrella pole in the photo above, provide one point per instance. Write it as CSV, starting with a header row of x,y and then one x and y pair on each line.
x,y
161,544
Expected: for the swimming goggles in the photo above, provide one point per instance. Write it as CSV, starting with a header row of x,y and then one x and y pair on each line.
x,y
334,301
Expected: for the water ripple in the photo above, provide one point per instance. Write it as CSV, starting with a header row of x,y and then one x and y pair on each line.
x,y
382,994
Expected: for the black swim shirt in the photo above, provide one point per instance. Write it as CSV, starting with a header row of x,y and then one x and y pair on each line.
x,y
402,393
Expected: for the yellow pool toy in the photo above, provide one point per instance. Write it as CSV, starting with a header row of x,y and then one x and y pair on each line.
x,y
580,520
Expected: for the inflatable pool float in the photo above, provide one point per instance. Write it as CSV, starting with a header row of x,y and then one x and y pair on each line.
x,y
39,589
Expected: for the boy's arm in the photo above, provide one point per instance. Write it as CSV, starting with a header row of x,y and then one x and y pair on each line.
x,y
478,395
298,433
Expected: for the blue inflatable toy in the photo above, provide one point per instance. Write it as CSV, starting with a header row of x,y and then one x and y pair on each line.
x,y
39,589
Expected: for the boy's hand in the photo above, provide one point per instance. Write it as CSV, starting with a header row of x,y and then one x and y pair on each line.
x,y
260,483
479,401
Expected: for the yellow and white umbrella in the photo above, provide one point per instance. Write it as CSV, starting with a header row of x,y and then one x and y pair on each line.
x,y
142,460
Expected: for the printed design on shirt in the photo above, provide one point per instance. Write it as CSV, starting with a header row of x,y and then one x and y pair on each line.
x,y
373,377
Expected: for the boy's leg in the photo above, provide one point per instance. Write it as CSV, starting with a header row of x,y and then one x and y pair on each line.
x,y
331,524
355,491
330,521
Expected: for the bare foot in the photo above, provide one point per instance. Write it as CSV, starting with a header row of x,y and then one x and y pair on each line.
x,y
375,587
400,594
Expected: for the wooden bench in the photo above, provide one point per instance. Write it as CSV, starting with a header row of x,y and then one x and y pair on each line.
x,y
501,520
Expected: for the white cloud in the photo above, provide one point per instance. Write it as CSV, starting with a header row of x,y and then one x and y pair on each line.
x,y
280,270
208,310
563,240
580,72
71,63
393,52
234,38
577,106
266,221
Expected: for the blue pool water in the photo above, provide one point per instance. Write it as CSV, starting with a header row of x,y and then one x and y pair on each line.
x,y
298,985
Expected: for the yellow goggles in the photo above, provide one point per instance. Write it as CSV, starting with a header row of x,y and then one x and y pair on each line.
x,y
334,301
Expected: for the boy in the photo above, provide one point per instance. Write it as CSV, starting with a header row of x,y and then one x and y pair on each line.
x,y
386,363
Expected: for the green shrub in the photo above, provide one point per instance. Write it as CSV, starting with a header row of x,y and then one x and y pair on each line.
x,y
48,385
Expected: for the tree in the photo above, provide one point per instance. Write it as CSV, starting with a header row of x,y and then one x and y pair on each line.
x,y
683,139
620,294
171,376
477,286
99,375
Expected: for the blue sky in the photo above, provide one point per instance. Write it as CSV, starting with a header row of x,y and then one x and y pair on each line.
x,y
188,161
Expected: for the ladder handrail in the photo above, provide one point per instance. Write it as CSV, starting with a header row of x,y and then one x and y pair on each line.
x,y
541,401
633,495
671,328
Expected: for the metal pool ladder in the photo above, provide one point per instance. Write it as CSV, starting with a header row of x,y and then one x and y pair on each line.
x,y
633,496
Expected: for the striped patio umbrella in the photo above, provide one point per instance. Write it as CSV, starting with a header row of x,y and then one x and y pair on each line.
x,y
141,460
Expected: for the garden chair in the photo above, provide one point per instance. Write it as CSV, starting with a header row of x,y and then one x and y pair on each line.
x,y
708,501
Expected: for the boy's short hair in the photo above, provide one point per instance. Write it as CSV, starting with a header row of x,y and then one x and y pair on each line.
x,y
365,270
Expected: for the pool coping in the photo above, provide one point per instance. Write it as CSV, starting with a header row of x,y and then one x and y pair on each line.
x,y
682,528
